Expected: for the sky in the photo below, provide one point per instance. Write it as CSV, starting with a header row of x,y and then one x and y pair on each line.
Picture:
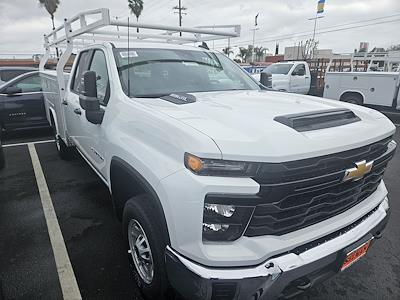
x,y
23,22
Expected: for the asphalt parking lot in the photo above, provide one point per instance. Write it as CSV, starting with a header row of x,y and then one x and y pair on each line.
x,y
94,242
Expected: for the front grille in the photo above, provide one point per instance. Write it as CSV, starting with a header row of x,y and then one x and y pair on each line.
x,y
301,193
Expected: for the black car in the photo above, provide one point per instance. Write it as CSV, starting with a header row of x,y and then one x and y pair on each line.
x,y
22,103
9,73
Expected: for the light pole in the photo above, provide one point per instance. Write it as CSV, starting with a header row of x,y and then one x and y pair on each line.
x,y
254,35
315,24
254,40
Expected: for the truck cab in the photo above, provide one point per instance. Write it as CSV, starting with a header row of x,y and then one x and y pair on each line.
x,y
292,77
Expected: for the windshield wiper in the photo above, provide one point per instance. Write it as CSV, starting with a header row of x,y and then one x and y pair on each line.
x,y
151,95
145,62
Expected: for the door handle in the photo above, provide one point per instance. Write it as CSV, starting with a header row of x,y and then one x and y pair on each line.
x,y
64,102
77,111
307,77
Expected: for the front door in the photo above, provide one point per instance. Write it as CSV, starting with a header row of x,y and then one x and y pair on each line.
x,y
89,137
298,81
25,108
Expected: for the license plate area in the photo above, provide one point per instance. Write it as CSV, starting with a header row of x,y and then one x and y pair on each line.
x,y
355,255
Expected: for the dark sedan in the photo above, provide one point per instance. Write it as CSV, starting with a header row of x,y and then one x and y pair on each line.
x,y
22,103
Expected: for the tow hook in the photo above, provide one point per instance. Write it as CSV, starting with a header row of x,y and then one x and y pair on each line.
x,y
274,270
304,284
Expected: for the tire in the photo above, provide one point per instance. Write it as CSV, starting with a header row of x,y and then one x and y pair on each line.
x,y
2,160
353,99
138,215
63,150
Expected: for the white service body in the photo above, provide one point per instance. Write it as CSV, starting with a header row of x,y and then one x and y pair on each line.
x,y
373,88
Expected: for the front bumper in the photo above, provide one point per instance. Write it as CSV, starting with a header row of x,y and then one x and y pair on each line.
x,y
280,277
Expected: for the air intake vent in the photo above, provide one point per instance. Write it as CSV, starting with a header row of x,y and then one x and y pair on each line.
x,y
318,119
223,290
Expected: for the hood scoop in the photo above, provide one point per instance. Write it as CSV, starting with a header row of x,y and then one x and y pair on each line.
x,y
318,119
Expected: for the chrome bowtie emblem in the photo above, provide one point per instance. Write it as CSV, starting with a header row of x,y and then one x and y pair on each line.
x,y
359,171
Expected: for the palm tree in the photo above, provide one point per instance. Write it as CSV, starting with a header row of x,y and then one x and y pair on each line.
x,y
136,7
243,52
51,7
227,51
259,51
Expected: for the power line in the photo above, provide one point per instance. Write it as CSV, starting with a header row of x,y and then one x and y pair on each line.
x,y
305,33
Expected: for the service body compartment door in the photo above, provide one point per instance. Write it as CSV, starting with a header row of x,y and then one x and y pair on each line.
x,y
381,88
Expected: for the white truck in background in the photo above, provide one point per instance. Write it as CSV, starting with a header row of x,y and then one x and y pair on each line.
x,y
291,76
225,190
364,88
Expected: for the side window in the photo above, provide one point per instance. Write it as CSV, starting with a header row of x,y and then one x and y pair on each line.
x,y
30,84
81,67
99,65
300,70
7,75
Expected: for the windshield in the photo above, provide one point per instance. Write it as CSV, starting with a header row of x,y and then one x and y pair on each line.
x,y
157,72
278,69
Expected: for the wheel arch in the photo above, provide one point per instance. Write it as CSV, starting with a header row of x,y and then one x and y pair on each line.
x,y
126,182
53,119
352,92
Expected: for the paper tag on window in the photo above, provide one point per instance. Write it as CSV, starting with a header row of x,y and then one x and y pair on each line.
x,y
131,53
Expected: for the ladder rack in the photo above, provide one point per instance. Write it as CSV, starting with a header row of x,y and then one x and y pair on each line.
x,y
97,26
87,25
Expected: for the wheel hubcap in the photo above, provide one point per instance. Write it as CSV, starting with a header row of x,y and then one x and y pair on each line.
x,y
140,251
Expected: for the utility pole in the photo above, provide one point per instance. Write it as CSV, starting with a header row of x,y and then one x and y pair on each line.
x,y
180,10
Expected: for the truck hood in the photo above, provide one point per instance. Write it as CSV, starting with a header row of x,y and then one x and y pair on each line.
x,y
242,124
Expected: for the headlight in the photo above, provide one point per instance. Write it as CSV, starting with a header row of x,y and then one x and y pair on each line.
x,y
225,222
220,167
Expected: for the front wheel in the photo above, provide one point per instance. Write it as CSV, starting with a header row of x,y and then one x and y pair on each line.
x,y
146,247
63,150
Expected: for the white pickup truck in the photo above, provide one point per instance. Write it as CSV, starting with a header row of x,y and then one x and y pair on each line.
x,y
291,76
225,190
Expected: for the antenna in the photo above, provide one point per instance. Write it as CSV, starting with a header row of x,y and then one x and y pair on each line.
x,y
129,55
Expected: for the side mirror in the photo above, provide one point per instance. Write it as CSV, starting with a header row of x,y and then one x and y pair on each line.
x,y
11,90
88,98
266,79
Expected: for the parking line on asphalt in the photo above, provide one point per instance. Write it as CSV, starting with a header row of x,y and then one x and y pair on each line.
x,y
69,285
27,143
